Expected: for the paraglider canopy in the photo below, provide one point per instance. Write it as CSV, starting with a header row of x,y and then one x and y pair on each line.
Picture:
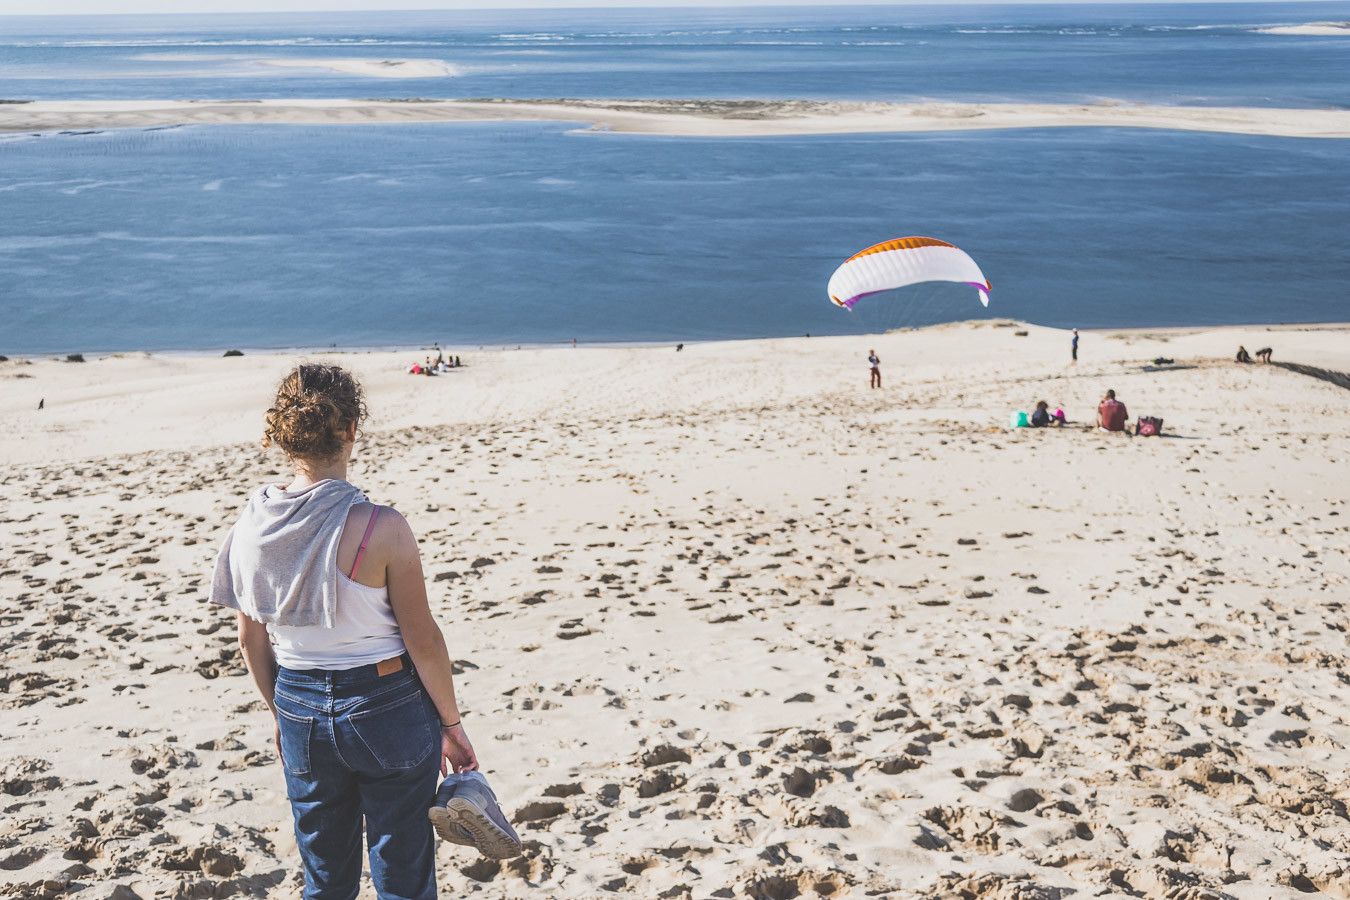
x,y
900,263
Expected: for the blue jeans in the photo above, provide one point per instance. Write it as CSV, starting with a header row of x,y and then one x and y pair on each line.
x,y
355,744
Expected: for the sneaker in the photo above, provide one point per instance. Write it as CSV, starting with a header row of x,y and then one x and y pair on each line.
x,y
466,812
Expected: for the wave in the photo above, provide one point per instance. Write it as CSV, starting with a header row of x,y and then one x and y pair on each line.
x,y
695,37
187,239
1073,31
24,243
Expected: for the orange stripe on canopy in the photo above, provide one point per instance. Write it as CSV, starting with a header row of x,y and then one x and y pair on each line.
x,y
904,243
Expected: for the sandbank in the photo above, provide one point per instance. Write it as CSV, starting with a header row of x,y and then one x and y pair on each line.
x,y
1312,29
372,68
700,118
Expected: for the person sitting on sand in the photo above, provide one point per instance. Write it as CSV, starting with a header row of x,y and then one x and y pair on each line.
x,y
415,369
1242,355
1263,355
427,369
874,362
1042,417
335,629
1111,413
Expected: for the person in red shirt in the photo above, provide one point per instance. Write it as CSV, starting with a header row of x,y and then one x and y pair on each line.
x,y
1111,413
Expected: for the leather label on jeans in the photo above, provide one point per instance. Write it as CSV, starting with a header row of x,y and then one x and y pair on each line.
x,y
389,666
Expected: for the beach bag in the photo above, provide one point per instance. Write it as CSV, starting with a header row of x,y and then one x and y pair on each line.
x,y
1018,420
1148,426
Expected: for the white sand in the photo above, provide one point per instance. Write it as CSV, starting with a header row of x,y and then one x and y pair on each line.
x,y
708,118
1312,29
372,68
744,626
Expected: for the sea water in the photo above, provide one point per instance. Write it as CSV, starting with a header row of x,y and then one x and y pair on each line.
x,y
1206,53
268,236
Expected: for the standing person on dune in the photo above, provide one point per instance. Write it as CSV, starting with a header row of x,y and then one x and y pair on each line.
x,y
874,362
336,631
1073,347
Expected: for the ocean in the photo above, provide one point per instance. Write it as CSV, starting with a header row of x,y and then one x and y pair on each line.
x,y
467,234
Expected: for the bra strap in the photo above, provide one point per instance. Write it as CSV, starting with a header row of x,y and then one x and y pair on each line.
x,y
365,541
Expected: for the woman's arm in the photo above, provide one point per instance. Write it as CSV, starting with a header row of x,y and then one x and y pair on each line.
x,y
257,651
262,665
424,641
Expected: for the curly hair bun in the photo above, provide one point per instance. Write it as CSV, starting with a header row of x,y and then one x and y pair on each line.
x,y
313,410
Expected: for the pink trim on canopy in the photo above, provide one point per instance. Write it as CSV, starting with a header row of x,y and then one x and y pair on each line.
x,y
848,303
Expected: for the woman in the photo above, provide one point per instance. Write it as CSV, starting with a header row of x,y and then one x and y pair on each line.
x,y
335,629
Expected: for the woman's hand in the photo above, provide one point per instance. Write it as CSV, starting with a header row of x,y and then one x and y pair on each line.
x,y
457,751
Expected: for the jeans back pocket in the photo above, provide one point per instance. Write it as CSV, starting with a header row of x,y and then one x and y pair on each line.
x,y
295,736
399,734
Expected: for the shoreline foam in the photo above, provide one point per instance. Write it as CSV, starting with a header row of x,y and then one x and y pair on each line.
x,y
685,118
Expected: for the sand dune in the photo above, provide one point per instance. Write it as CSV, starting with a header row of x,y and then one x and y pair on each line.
x,y
730,624
708,118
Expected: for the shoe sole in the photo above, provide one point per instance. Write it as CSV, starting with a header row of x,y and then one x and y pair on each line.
x,y
459,813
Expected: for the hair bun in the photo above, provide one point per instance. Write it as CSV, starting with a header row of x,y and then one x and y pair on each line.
x,y
315,406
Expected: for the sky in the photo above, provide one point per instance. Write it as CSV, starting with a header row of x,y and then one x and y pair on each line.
x,y
94,7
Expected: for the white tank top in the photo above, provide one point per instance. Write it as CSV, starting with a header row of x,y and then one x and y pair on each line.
x,y
364,632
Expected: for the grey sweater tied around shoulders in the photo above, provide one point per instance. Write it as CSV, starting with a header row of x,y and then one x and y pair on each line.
x,y
278,565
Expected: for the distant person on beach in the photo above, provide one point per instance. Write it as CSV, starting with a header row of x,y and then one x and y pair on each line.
x,y
679,347
335,629
42,402
1042,417
1073,346
1242,355
874,362
440,355
1111,413
1264,354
